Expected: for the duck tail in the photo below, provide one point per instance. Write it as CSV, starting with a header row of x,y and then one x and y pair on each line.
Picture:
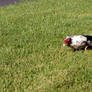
x,y
89,38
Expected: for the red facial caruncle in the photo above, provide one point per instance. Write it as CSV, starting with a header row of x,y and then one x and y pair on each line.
x,y
65,42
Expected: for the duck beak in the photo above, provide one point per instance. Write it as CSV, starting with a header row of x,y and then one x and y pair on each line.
x,y
63,45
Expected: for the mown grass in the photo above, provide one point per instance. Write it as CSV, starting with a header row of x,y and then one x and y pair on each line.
x,y
32,58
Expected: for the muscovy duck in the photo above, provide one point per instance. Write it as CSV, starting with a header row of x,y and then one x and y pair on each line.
x,y
78,41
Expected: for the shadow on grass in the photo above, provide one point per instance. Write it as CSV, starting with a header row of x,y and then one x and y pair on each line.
x,y
89,48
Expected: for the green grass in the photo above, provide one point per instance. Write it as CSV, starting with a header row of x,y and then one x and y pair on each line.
x,y
32,58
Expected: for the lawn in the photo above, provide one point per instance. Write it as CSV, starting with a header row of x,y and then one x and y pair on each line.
x,y
32,58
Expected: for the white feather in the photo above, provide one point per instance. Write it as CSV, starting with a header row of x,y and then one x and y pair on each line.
x,y
77,41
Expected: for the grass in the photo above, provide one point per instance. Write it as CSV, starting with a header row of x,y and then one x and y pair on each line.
x,y
32,58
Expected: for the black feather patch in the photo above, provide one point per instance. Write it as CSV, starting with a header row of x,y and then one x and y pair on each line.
x,y
70,41
89,38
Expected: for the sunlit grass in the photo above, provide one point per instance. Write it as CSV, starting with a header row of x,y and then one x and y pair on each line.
x,y
32,58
